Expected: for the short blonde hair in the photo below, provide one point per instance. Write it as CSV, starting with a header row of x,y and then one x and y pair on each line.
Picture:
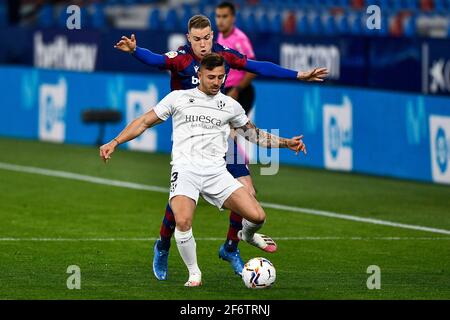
x,y
198,21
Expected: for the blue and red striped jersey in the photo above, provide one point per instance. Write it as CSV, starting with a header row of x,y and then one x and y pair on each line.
x,y
183,65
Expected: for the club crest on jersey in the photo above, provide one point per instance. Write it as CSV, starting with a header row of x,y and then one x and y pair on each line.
x,y
171,54
220,104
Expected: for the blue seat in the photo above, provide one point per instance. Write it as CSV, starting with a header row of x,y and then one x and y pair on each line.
x,y
328,25
440,6
250,22
384,31
185,19
263,23
344,4
171,21
448,31
112,2
154,20
409,27
355,24
315,24
447,4
239,20
276,24
45,16
341,23
410,4
395,5
98,20
302,25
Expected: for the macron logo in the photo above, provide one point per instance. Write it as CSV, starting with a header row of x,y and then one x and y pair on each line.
x,y
59,54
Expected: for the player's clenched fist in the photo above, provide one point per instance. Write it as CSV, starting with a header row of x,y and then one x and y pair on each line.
x,y
126,44
107,149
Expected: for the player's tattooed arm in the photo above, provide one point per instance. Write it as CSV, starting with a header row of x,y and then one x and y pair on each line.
x,y
265,139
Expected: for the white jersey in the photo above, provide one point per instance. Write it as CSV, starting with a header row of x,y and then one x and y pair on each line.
x,y
201,126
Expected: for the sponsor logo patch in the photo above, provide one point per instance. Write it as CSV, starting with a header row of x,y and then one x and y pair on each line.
x,y
171,54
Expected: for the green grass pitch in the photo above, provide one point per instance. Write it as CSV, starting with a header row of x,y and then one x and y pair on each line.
x,y
319,257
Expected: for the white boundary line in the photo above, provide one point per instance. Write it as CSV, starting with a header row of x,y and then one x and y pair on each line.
x,y
12,239
137,186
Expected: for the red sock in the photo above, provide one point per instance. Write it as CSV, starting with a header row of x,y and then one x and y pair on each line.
x,y
232,238
167,229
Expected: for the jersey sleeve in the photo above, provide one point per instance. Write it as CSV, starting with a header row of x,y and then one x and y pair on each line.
x,y
176,60
148,57
165,108
239,118
235,59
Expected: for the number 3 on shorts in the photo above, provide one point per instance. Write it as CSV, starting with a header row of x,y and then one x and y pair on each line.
x,y
173,180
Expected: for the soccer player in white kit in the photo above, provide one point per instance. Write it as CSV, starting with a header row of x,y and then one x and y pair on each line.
x,y
201,120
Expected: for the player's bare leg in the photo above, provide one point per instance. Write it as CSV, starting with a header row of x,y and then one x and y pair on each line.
x,y
183,209
254,216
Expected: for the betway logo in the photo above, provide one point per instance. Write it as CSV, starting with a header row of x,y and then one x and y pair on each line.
x,y
308,57
59,54
204,119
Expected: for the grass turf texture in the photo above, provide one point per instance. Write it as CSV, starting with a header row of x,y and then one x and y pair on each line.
x,y
36,206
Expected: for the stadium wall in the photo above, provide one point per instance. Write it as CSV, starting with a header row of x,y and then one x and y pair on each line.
x,y
375,132
406,64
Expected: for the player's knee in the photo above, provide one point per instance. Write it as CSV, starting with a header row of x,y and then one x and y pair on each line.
x,y
260,216
183,224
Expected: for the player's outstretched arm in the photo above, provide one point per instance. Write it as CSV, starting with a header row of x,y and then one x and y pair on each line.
x,y
264,139
270,69
144,55
134,129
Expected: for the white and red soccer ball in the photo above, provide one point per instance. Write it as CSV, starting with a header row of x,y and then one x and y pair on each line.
x,y
258,273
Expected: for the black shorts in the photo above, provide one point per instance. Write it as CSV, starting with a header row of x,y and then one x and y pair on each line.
x,y
246,97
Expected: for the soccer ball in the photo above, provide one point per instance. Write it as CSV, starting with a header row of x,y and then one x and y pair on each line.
x,y
258,273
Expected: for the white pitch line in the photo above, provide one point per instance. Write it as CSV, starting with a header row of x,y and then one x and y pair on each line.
x,y
221,239
352,218
138,186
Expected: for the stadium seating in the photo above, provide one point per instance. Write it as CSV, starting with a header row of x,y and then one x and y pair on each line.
x,y
271,16
45,18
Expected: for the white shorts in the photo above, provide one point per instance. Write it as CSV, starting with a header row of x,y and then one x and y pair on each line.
x,y
215,187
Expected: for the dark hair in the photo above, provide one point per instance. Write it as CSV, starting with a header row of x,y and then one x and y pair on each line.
x,y
229,5
211,61
198,21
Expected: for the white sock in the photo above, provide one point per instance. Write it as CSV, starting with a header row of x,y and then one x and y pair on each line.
x,y
187,248
249,229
